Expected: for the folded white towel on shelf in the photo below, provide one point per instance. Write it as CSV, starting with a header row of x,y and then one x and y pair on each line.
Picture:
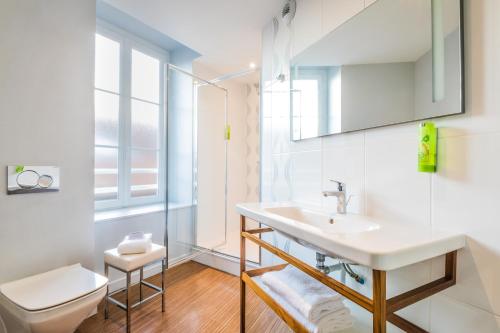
x,y
330,322
135,243
333,322
312,299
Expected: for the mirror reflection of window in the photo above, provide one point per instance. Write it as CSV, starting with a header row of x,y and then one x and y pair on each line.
x,y
316,108
305,99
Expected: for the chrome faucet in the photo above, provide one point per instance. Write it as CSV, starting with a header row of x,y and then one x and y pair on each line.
x,y
340,194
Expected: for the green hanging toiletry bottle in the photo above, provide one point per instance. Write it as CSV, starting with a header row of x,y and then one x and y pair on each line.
x,y
427,148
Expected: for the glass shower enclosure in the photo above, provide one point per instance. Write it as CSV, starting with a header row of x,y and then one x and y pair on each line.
x,y
196,165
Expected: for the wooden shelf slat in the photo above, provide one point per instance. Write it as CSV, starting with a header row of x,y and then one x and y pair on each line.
x,y
410,297
260,271
260,230
404,324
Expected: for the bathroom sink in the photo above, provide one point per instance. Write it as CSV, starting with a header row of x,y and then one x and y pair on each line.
x,y
332,224
379,244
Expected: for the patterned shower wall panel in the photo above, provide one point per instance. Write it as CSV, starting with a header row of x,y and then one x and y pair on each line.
x,y
252,142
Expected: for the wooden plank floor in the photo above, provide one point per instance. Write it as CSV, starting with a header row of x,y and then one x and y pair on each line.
x,y
198,299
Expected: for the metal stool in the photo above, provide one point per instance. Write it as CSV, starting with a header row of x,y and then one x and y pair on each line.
x,y
129,263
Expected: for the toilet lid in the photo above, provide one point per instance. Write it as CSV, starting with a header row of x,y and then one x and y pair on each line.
x,y
49,289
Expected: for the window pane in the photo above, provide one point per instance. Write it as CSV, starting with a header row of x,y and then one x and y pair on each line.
x,y
144,178
106,173
145,124
107,64
145,77
144,185
106,118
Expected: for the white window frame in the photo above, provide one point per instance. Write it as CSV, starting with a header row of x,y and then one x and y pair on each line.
x,y
128,42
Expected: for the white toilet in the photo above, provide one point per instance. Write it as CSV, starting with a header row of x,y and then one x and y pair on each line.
x,y
53,302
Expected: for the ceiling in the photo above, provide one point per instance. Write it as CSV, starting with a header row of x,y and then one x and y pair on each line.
x,y
227,33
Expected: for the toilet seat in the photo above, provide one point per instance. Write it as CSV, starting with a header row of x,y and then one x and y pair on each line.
x,y
53,302
51,289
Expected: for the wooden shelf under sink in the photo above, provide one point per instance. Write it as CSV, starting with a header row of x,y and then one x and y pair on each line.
x,y
383,309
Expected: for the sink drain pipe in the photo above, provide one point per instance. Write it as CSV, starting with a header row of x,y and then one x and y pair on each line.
x,y
343,267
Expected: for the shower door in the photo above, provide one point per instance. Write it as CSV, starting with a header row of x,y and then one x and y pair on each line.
x,y
197,165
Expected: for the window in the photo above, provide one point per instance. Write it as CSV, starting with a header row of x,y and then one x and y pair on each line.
x,y
309,102
129,118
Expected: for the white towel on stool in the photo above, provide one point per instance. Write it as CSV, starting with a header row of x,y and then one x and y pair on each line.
x,y
135,243
312,299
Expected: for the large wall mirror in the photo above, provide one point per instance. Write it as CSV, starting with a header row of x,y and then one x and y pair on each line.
x,y
396,61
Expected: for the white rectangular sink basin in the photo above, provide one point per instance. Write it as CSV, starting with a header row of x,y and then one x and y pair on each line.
x,y
377,244
330,224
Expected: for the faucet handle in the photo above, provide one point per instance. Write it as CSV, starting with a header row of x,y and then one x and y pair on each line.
x,y
340,185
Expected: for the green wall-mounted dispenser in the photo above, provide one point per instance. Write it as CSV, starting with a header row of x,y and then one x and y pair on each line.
x,y
427,148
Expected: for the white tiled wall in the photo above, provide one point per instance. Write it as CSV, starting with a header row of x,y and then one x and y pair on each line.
x,y
379,167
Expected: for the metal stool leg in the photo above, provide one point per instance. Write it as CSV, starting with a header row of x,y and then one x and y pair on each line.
x,y
128,292
128,302
140,283
163,285
106,303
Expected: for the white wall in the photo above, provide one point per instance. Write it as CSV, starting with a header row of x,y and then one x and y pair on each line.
x,y
46,118
237,163
211,168
379,167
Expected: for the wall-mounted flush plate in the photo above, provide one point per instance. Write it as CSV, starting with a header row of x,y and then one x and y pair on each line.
x,y
32,179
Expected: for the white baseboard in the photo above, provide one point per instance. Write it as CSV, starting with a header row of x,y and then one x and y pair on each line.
x,y
222,262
